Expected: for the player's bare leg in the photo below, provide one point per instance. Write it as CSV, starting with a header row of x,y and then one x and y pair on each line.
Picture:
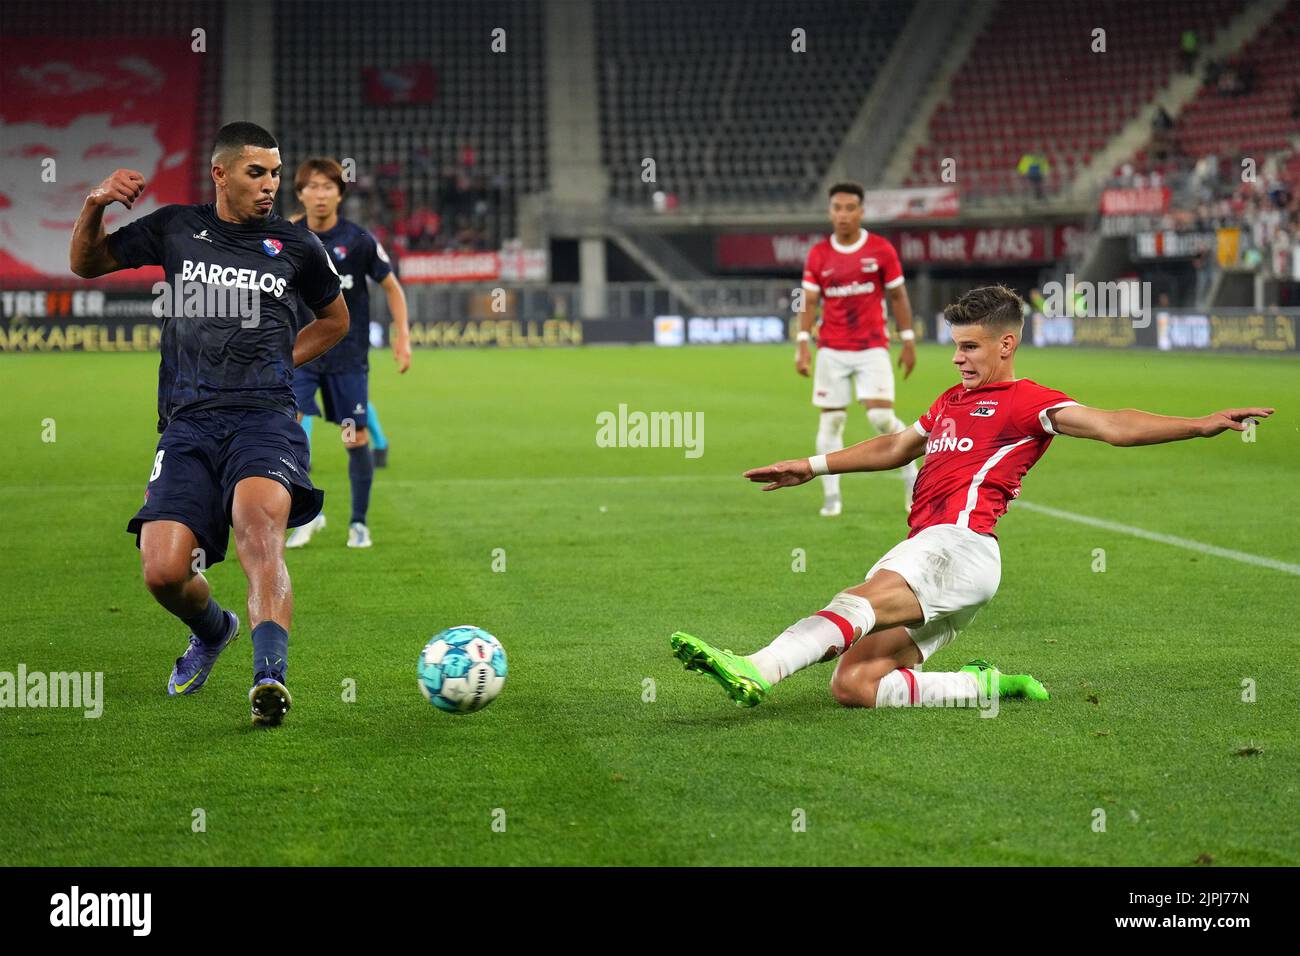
x,y
361,474
882,668
880,413
866,627
819,637
260,514
170,557
830,437
863,666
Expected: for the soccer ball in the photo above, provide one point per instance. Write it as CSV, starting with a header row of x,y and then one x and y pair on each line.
x,y
462,669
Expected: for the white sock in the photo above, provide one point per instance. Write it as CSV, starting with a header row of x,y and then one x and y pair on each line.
x,y
826,634
830,437
907,687
884,421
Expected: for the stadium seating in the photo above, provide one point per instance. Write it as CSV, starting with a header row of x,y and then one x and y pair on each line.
x,y
1256,122
492,103
1031,82
714,94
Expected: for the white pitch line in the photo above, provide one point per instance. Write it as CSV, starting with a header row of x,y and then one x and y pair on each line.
x,y
1169,539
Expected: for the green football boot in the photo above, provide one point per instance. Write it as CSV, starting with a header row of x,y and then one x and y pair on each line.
x,y
738,677
1008,685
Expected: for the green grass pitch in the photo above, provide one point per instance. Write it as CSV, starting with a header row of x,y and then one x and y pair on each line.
x,y
607,551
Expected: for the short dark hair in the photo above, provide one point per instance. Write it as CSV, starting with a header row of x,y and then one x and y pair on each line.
x,y
327,167
233,137
992,306
848,187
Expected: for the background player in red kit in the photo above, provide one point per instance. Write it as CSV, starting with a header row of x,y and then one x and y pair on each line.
x,y
853,273
979,438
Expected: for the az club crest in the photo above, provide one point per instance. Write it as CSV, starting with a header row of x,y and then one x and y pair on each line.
x,y
272,247
869,265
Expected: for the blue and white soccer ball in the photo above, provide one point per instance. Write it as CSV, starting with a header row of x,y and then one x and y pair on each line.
x,y
462,669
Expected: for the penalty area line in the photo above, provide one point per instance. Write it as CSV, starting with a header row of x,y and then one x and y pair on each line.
x,y
1169,539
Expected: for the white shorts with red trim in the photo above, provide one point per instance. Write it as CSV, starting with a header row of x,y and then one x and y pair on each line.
x,y
952,571
840,374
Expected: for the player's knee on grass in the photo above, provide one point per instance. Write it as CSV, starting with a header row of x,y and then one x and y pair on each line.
x,y
853,685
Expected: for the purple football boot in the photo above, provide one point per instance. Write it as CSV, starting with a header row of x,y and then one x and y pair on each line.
x,y
192,667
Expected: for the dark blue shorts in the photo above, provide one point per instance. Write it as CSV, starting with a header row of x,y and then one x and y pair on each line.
x,y
201,456
345,394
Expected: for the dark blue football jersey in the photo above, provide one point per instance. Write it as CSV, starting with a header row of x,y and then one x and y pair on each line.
x,y
357,256
212,355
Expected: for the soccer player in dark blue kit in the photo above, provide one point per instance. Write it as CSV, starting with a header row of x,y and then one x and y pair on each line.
x,y
231,452
342,375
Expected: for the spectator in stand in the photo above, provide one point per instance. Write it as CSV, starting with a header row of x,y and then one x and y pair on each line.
x,y
1033,166
1162,134
1205,177
1204,264
1189,43
1234,79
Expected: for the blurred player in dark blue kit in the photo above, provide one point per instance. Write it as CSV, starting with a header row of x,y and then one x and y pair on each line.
x,y
342,375
231,452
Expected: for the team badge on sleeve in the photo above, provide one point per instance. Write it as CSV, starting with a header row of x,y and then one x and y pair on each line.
x,y
272,247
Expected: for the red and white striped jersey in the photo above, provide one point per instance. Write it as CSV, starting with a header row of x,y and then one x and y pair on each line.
x,y
852,281
981,441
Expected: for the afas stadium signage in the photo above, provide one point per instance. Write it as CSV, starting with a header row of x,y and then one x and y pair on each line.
x,y
984,245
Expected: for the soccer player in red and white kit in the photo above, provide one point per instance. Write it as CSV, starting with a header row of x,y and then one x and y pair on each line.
x,y
979,439
854,273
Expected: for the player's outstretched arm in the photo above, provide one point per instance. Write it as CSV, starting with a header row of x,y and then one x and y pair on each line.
x,y
882,453
1129,426
323,333
89,255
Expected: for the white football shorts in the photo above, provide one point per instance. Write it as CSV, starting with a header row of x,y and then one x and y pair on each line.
x,y
840,374
953,572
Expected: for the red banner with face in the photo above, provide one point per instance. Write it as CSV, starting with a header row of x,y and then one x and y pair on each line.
x,y
72,112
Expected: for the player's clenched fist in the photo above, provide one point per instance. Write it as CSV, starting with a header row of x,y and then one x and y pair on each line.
x,y
124,186
784,474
